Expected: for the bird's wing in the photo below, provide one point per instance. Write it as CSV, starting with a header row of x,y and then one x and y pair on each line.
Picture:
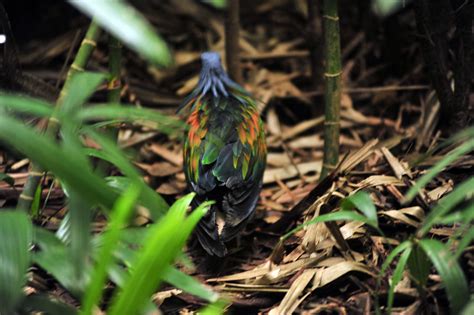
x,y
225,157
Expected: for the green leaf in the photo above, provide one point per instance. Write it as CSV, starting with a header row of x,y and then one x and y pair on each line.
x,y
54,257
119,217
385,8
63,163
80,217
7,179
16,238
81,87
130,113
149,198
25,104
220,4
438,167
42,303
335,216
129,26
451,273
361,201
35,204
465,241
469,308
446,204
125,252
188,284
419,265
164,241
393,254
216,308
397,276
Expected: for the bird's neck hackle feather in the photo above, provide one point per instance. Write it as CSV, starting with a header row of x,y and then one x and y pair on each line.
x,y
214,82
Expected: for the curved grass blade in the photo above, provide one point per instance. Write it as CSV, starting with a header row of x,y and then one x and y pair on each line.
x,y
216,308
335,216
164,241
24,104
397,276
46,305
114,155
446,204
451,273
66,165
438,167
16,237
7,179
118,219
361,201
54,257
129,26
130,113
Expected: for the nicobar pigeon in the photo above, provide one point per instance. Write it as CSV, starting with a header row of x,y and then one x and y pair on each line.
x,y
224,154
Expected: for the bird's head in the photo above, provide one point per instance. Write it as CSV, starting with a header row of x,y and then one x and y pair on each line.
x,y
213,77
214,82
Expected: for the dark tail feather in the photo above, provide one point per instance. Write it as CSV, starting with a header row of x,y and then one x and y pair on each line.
x,y
213,247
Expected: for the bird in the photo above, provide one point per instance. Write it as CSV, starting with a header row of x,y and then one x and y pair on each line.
x,y
224,154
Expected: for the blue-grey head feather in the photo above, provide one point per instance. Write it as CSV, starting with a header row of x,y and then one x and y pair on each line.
x,y
213,79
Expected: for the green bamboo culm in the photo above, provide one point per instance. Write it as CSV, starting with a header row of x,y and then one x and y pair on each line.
x,y
114,85
332,86
115,62
80,61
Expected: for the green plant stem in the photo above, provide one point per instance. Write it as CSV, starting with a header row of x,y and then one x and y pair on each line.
x,y
114,85
36,172
332,96
115,63
232,41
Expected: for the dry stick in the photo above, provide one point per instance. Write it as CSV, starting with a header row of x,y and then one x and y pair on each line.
x,y
85,50
332,86
232,41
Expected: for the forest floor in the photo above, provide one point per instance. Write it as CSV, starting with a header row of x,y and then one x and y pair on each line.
x,y
388,121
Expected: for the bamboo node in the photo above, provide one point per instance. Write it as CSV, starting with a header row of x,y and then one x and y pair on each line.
x,y
25,197
89,42
76,67
114,84
53,119
331,123
330,17
332,75
37,174
329,166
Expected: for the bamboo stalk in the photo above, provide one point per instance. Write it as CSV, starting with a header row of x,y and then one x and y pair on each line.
x,y
115,62
232,41
314,37
332,86
114,85
82,57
